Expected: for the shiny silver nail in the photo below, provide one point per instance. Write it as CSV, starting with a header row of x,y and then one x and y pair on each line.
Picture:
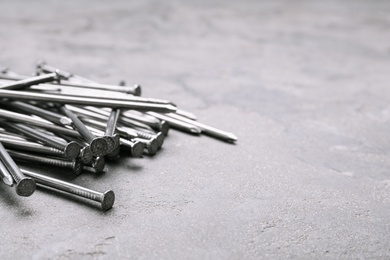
x,y
25,186
44,113
24,83
5,175
212,131
98,145
105,199
76,165
85,101
71,150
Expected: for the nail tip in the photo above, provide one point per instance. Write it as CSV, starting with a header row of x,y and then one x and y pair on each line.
x,y
8,181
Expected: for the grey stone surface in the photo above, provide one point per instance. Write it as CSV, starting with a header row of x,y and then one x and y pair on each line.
x,y
303,84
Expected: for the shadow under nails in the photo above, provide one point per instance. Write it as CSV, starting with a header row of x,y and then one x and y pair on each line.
x,y
8,195
14,203
133,168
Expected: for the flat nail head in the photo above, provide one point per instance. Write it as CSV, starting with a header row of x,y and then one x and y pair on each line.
x,y
65,120
160,137
152,146
164,127
110,143
78,166
115,153
72,150
138,149
99,146
25,187
86,154
108,200
99,164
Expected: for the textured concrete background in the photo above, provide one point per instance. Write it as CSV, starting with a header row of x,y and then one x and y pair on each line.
x,y
303,84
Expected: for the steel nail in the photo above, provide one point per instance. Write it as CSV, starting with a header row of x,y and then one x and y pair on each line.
x,y
24,83
85,151
98,145
126,133
44,113
92,101
160,137
25,186
151,145
140,117
110,132
105,199
71,150
112,122
42,66
5,175
177,124
86,154
76,165
25,145
17,117
83,82
186,114
135,148
136,90
98,164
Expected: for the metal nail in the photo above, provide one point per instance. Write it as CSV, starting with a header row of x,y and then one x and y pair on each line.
x,y
78,81
151,145
125,119
212,131
105,199
44,113
86,154
85,101
112,121
85,151
127,139
98,145
5,175
186,114
17,117
12,136
135,148
115,153
110,131
42,66
160,137
136,90
71,150
76,165
177,124
140,117
126,133
46,68
54,90
24,145
98,164
24,83
25,186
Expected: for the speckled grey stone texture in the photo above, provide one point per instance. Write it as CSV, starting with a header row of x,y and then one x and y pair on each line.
x,y
303,84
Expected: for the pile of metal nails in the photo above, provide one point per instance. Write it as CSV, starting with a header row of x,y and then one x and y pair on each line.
x,y
64,120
